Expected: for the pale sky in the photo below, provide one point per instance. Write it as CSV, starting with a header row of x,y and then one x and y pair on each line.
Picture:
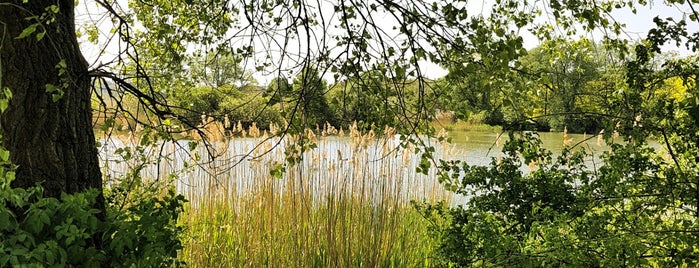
x,y
637,25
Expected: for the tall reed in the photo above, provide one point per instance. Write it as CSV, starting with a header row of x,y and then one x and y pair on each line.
x,y
345,204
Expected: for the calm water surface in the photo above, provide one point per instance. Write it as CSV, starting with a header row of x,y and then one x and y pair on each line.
x,y
478,147
370,168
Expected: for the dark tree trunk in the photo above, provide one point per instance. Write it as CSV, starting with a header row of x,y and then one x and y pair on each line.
x,y
51,142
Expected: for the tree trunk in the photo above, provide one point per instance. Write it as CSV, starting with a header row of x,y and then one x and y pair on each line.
x,y
52,142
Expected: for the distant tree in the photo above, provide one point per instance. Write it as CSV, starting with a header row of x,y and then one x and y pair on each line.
x,y
218,69
368,99
277,90
309,90
471,90
571,84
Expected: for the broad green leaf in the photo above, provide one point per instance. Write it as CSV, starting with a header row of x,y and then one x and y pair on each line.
x,y
27,31
4,155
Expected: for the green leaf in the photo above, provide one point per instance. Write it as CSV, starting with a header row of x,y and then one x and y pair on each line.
x,y
8,93
192,145
56,92
5,220
50,257
4,155
277,171
10,176
53,8
40,35
4,259
27,31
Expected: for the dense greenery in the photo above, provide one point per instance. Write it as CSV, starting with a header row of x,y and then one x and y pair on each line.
x,y
561,84
370,100
139,228
639,208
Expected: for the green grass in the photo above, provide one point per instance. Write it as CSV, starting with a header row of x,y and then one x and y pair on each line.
x,y
348,211
260,231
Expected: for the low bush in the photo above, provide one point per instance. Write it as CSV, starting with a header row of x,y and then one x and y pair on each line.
x,y
252,109
633,211
139,229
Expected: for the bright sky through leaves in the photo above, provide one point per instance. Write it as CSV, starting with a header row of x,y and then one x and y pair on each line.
x,y
89,14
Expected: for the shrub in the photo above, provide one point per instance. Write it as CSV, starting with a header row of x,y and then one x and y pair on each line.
x,y
629,212
139,229
252,109
44,231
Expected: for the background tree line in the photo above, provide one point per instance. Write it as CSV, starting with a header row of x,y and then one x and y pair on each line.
x,y
562,84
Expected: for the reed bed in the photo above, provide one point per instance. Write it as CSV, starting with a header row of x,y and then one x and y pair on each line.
x,y
346,203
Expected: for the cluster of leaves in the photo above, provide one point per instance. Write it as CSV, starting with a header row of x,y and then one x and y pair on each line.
x,y
143,223
640,208
48,231
138,231
629,213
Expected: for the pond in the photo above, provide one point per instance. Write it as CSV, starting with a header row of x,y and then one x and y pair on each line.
x,y
366,167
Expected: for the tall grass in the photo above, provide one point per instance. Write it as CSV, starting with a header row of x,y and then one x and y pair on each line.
x,y
345,204
288,232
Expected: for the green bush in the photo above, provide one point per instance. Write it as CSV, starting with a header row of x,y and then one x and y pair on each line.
x,y
142,229
631,212
251,109
139,229
197,101
39,231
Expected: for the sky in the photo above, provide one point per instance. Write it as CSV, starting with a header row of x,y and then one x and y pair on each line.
x,y
637,26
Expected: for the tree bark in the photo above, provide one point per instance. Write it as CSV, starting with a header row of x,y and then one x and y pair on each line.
x,y
52,142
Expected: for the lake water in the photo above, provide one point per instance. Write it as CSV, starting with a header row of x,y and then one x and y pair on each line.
x,y
368,167
478,147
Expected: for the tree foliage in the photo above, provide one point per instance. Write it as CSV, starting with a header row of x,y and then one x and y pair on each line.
x,y
368,100
309,102
574,83
639,208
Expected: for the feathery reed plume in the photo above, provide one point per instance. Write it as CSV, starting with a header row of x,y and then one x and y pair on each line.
x,y
273,129
253,130
239,127
442,134
566,140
